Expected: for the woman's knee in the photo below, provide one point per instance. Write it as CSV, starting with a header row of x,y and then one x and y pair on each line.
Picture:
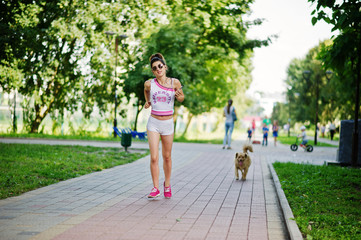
x,y
154,159
167,158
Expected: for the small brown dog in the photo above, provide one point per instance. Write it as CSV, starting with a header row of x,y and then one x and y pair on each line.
x,y
242,162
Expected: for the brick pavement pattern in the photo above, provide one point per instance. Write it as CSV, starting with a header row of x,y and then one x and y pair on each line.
x,y
207,202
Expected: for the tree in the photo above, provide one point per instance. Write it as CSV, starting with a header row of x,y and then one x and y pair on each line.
x,y
280,113
302,91
206,47
57,56
345,53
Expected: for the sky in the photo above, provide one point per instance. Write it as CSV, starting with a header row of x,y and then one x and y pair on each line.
x,y
291,21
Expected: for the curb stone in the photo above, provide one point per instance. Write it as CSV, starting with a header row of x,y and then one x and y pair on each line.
x,y
293,230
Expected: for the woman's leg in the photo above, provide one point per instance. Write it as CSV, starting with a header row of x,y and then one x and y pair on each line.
x,y
230,134
167,143
226,135
153,140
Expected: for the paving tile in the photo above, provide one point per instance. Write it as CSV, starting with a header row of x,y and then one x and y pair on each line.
x,y
207,203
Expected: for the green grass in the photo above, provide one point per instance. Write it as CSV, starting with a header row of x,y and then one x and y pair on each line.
x,y
325,200
210,141
292,139
24,167
94,138
49,136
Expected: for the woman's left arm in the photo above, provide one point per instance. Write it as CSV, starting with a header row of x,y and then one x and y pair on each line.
x,y
179,95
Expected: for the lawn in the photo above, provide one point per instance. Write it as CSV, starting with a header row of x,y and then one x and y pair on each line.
x,y
210,141
325,200
24,167
292,139
97,138
53,136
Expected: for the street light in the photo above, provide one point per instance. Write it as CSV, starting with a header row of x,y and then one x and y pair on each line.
x,y
307,75
117,38
355,133
289,110
15,128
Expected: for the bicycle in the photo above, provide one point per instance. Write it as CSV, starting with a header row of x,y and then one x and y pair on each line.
x,y
308,147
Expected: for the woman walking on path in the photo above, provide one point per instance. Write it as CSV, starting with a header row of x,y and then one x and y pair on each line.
x,y
230,113
275,131
160,93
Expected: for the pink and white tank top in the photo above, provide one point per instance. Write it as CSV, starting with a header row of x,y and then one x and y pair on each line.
x,y
162,99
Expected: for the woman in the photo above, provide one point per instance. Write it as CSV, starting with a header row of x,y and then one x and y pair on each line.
x,y
160,93
227,112
275,131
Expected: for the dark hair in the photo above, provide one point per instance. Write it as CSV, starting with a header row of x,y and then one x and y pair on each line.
x,y
157,57
230,101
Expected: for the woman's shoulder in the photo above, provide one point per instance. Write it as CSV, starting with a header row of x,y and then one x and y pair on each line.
x,y
147,83
176,81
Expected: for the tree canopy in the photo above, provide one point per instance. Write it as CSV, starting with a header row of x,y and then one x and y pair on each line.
x,y
58,56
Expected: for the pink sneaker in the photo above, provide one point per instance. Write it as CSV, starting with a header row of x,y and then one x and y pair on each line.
x,y
154,193
167,191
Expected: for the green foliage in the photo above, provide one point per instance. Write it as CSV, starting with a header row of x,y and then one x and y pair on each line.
x,y
25,167
325,200
280,113
58,56
341,55
206,48
302,92
209,141
344,55
292,139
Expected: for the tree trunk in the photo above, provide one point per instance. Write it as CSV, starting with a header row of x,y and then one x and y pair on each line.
x,y
188,123
139,109
36,123
39,117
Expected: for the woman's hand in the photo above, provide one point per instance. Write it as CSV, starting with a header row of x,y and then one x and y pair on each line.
x,y
179,94
147,105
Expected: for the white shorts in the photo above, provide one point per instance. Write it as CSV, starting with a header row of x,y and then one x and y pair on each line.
x,y
163,127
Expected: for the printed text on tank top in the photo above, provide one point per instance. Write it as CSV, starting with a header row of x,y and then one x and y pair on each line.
x,y
162,99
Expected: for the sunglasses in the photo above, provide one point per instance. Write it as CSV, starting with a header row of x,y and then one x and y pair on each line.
x,y
160,66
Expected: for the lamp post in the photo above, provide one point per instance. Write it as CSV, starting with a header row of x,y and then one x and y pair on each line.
x,y
117,38
289,110
355,133
307,75
15,128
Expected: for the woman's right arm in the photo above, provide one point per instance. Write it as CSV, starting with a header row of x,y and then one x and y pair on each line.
x,y
147,94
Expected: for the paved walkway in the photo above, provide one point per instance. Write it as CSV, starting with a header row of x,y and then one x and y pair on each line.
x,y
329,141
208,202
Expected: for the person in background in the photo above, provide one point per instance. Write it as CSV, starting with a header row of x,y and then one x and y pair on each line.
x,y
323,130
249,131
228,112
304,137
266,121
253,127
275,131
265,135
332,129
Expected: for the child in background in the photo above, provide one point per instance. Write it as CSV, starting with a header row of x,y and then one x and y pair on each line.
x,y
304,137
265,134
249,131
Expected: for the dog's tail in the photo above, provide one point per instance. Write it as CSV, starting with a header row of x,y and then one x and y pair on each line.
x,y
247,147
